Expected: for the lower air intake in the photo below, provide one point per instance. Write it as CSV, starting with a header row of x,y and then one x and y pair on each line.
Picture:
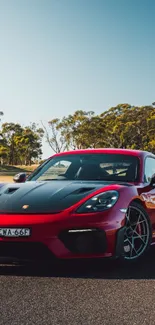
x,y
81,241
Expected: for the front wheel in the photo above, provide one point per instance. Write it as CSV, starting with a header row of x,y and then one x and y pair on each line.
x,y
138,233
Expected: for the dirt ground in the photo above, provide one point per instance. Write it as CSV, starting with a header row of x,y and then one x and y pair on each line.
x,y
6,179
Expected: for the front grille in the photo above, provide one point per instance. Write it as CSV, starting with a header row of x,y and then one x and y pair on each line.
x,y
24,251
87,242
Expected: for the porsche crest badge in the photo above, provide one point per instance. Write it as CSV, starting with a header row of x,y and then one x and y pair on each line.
x,y
25,207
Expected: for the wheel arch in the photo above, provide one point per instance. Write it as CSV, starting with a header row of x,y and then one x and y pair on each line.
x,y
140,202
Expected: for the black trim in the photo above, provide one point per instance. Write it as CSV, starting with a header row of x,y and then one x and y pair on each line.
x,y
25,251
119,250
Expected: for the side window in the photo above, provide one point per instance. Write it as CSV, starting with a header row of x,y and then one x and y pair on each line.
x,y
149,169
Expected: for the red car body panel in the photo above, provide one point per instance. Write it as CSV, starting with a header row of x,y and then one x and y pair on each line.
x,y
45,228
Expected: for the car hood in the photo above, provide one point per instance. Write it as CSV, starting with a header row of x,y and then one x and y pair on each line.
x,y
45,197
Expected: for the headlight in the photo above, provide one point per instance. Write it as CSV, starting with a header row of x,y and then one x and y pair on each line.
x,y
100,202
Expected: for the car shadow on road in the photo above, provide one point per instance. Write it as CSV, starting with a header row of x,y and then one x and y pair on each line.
x,y
96,269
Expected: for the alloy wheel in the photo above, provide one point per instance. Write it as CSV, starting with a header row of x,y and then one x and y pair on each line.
x,y
137,233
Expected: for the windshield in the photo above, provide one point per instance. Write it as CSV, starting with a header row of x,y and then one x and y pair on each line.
x,y
112,167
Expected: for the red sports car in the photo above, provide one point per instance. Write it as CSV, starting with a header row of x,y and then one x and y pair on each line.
x,y
90,203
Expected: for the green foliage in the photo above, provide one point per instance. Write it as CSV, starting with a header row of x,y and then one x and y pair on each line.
x,y
20,145
123,126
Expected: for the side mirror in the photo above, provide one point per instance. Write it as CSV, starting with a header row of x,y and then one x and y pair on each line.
x,y
20,178
152,182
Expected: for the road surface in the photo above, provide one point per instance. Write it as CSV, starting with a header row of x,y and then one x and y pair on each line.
x,y
92,293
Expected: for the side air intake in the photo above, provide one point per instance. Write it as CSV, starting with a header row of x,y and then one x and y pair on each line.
x,y
11,190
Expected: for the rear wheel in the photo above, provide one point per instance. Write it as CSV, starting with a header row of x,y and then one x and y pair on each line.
x,y
138,233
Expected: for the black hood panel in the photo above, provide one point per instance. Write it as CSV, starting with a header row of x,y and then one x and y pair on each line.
x,y
45,197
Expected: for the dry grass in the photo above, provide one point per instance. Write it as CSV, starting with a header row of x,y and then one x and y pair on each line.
x,y
27,168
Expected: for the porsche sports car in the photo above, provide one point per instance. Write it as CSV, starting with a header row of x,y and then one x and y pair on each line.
x,y
90,203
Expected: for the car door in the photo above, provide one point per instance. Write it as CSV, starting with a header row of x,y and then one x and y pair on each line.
x,y
148,195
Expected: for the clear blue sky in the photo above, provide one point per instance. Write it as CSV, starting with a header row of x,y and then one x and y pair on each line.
x,y
57,56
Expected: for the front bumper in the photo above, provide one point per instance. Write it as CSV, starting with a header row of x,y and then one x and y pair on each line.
x,y
92,247
60,237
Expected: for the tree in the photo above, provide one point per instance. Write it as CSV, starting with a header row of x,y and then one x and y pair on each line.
x,y
10,132
122,126
136,131
20,145
114,124
30,143
74,130
54,136
1,114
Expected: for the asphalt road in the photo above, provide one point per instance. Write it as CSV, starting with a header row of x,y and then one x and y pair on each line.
x,y
88,293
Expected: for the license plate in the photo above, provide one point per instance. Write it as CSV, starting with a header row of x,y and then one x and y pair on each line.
x,y
15,232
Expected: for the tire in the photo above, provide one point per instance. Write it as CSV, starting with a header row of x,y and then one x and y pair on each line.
x,y
138,233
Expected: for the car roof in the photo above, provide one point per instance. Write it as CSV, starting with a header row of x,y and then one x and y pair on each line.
x,y
138,153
